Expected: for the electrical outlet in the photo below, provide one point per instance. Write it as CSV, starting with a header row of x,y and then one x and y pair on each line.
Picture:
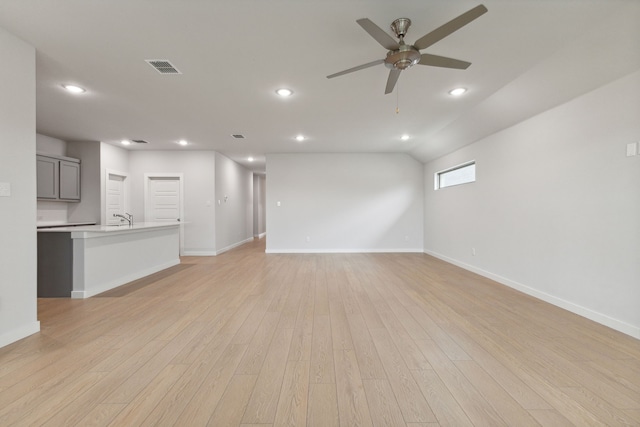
x,y
308,239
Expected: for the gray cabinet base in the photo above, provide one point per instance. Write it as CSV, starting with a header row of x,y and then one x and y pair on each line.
x,y
55,265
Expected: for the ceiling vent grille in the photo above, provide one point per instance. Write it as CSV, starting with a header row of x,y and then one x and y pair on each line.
x,y
163,66
140,141
238,136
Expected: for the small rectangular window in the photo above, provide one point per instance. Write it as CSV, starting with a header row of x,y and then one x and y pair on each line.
x,y
461,174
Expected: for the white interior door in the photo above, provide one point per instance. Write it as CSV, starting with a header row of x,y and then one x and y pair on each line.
x,y
163,199
114,197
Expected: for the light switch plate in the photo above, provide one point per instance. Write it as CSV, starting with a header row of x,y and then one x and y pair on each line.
x,y
5,189
632,149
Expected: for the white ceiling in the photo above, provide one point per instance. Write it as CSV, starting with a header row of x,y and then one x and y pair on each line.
x,y
527,56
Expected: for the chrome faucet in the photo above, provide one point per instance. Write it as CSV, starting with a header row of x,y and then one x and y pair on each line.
x,y
128,217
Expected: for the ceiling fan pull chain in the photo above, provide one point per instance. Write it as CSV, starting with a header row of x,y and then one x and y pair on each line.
x,y
398,99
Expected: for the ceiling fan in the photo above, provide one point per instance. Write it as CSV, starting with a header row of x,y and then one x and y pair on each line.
x,y
401,56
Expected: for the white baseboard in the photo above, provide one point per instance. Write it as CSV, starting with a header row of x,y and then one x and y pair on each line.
x,y
597,317
122,280
19,333
199,253
214,253
235,245
344,251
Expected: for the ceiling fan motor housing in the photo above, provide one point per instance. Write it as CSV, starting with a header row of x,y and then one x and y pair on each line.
x,y
402,58
400,27
405,56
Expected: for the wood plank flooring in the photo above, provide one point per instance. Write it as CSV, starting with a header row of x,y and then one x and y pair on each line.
x,y
254,339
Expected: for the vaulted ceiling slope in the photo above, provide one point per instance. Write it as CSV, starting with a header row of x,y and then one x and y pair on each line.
x,y
527,56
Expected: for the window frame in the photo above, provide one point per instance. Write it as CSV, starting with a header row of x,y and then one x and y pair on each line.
x,y
437,175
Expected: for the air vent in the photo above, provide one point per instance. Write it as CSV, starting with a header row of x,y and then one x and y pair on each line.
x,y
238,136
163,66
140,141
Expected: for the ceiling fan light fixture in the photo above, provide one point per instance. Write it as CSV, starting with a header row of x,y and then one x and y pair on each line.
x,y
457,91
284,92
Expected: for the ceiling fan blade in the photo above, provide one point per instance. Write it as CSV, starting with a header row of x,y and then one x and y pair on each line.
x,y
359,67
391,81
443,61
379,34
448,28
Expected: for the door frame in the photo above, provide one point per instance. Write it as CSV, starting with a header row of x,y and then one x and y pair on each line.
x,y
180,177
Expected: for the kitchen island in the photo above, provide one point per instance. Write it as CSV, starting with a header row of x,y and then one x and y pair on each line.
x,y
83,261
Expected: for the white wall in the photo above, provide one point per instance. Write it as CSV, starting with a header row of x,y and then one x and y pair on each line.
x,y
259,195
51,213
18,255
198,169
50,145
234,211
555,211
344,203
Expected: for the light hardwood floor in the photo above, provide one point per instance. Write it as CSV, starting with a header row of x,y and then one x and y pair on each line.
x,y
252,339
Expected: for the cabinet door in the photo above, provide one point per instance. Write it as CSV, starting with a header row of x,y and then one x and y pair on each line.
x,y
69,180
47,177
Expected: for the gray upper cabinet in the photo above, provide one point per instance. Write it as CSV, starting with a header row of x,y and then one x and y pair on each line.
x,y
69,180
47,170
58,178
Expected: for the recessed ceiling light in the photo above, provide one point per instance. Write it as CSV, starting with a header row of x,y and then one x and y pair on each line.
x,y
183,142
250,159
404,137
74,88
457,91
284,92
300,138
125,142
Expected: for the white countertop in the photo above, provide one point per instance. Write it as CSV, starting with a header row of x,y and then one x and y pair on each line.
x,y
140,226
